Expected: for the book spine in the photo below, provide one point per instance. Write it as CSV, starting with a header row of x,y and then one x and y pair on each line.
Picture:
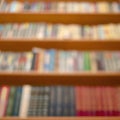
x,y
17,101
33,101
77,100
4,100
87,64
25,101
59,101
71,101
53,101
11,101
33,60
62,61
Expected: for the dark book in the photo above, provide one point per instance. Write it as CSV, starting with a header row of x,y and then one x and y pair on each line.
x,y
65,101
59,102
17,100
32,110
71,100
53,101
11,101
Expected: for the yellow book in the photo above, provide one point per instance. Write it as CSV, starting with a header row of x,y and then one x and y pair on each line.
x,y
49,30
61,6
29,56
76,7
103,7
107,31
93,61
95,32
75,32
41,60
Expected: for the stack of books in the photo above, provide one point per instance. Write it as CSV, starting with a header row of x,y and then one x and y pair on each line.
x,y
66,7
60,31
51,60
29,101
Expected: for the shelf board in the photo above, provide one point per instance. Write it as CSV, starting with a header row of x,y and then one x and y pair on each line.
x,y
28,44
63,118
54,78
67,18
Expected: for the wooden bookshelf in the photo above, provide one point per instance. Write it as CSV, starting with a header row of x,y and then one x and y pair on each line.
x,y
28,44
64,118
67,18
55,78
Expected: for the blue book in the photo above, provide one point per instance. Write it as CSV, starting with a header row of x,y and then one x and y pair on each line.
x,y
17,101
53,101
49,60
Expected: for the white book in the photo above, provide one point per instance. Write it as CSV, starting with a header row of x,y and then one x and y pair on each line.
x,y
69,62
61,30
62,61
41,31
69,7
115,7
49,31
95,32
25,99
82,7
75,32
1,3
61,7
75,7
28,64
92,7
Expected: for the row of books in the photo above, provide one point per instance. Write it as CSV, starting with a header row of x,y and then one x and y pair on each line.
x,y
51,60
67,7
60,31
59,101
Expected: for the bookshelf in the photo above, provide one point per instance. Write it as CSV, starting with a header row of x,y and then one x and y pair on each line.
x,y
83,78
66,18
28,44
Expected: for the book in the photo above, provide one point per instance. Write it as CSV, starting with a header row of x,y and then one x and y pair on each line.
x,y
11,101
87,64
24,104
53,102
17,100
4,100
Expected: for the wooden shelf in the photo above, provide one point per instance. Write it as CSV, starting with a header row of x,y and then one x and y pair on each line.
x,y
68,18
28,44
64,118
77,78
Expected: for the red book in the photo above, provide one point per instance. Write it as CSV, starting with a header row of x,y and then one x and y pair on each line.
x,y
93,101
104,101
37,61
86,105
113,92
4,100
78,102
118,100
99,110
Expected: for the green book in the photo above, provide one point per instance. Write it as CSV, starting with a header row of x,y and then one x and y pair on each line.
x,y
87,63
11,101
